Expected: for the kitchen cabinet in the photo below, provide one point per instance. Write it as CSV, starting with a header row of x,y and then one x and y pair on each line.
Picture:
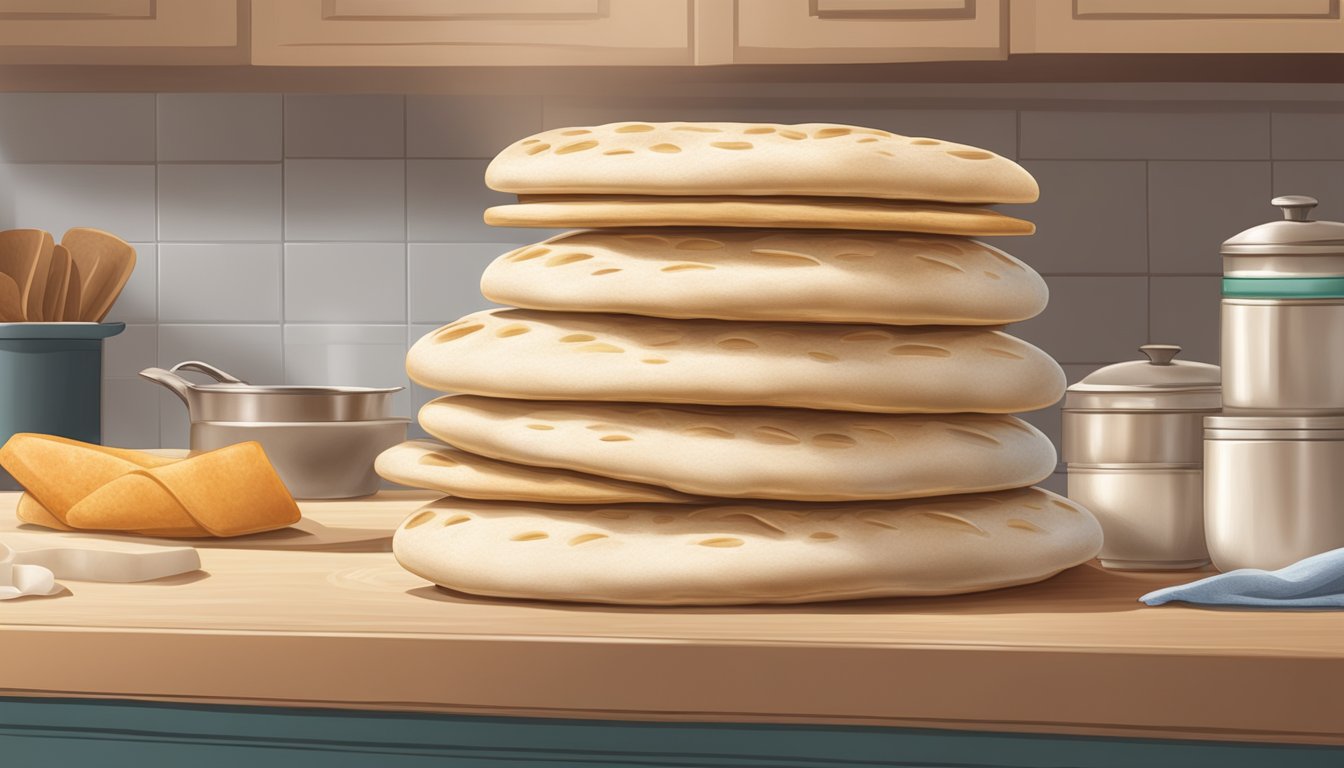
x,y
1177,26
314,639
121,31
471,32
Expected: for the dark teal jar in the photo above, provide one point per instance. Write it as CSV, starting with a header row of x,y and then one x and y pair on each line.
x,y
51,378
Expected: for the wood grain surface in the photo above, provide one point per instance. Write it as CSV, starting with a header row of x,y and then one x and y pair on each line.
x,y
322,615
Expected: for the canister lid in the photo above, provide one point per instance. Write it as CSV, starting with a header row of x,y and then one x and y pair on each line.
x,y
1295,233
1274,421
1159,383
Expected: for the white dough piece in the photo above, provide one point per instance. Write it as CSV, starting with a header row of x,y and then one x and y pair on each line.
x,y
759,453
746,552
19,580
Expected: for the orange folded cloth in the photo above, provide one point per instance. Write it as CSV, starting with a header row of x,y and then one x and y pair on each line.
x,y
71,485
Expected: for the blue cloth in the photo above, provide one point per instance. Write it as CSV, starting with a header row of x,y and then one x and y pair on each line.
x,y
1316,582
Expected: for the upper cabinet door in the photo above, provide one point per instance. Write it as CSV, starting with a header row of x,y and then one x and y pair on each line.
x,y
121,31
1177,26
470,32
845,31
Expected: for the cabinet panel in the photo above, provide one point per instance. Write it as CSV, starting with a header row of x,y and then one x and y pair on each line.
x,y
839,31
470,32
1177,26
119,31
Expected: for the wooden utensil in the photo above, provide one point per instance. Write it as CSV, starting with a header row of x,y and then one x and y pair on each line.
x,y
20,250
58,285
105,262
11,305
37,292
70,312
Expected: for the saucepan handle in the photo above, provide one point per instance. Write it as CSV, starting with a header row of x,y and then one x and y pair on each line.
x,y
179,386
209,370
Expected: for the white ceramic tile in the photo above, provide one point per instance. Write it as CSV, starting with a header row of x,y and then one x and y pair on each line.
x,y
131,413
131,351
77,127
1322,179
468,126
350,355
1090,319
351,200
1309,136
115,198
139,300
1194,206
250,352
220,126
208,203
1091,218
219,282
445,279
1139,135
344,125
445,200
1056,483
345,283
1186,311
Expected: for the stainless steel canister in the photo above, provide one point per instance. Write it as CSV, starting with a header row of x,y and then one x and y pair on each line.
x,y
1283,314
1133,445
1273,488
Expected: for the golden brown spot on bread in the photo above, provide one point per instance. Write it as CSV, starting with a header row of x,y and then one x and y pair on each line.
x,y
1063,505
974,435
779,258
823,536
969,154
964,525
795,135
607,271
737,343
858,336
881,523
666,148
704,430
698,129
512,330
885,153
575,132
732,144
561,259
600,347
575,147
531,536
830,133
584,538
866,140
925,142
538,148
530,141
823,357
853,256
833,440
419,519
529,254
646,239
992,275
437,460
721,541
615,438
540,427
940,261
619,152
995,351
919,350
699,244
634,128
653,360
454,332
1024,525
759,129
686,265
456,520
874,432
775,436
573,337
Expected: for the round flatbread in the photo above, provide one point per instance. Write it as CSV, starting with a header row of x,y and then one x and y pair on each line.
x,y
736,553
771,212
761,453
787,276
823,159
437,467
887,369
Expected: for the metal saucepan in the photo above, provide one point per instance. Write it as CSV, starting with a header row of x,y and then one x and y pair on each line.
x,y
232,399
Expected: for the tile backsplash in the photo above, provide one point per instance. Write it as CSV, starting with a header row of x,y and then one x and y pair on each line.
x,y
310,238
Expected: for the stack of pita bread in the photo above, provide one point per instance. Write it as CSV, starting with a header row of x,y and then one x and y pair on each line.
x,y
771,370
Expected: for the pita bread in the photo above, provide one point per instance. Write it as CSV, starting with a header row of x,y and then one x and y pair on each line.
x,y
885,369
772,212
746,552
762,453
438,467
787,276
822,159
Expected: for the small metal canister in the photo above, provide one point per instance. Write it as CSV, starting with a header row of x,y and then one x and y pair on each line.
x,y
1274,489
1133,444
1283,314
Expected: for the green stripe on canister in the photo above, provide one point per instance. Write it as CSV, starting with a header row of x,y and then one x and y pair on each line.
x,y
1283,287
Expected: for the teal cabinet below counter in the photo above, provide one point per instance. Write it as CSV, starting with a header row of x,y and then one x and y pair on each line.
x,y
82,732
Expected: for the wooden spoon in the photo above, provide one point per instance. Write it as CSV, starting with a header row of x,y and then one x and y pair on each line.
x,y
58,285
20,250
11,307
72,295
105,262
37,293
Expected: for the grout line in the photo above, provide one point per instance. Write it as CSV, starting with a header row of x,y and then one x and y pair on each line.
x,y
406,207
1148,250
284,233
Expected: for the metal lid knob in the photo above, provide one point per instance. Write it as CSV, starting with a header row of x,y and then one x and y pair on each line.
x,y
1295,207
1160,354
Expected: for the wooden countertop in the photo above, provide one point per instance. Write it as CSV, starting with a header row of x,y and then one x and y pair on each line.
x,y
323,616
